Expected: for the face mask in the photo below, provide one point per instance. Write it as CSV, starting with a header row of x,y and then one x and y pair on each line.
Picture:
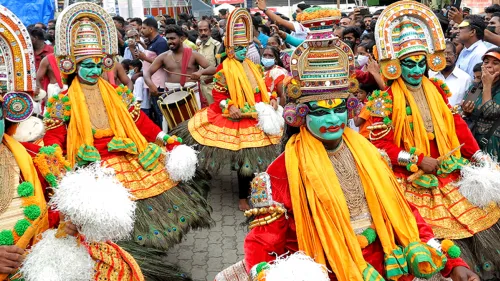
x,y
362,60
294,16
491,28
131,72
267,62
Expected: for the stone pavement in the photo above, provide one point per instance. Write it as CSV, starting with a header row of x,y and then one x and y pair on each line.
x,y
204,253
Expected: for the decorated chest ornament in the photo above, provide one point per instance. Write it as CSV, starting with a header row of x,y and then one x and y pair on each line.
x,y
265,209
239,31
81,35
408,28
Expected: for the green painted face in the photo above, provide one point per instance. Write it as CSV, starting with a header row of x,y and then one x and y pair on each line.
x,y
240,53
327,119
89,70
413,69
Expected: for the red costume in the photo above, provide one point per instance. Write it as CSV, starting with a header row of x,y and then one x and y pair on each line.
x,y
263,243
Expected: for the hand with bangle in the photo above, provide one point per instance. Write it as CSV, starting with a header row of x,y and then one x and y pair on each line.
x,y
411,160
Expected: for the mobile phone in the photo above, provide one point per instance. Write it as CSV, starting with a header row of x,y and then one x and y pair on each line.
x,y
457,4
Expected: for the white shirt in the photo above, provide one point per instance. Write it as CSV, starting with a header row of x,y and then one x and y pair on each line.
x,y
128,54
300,31
458,82
141,93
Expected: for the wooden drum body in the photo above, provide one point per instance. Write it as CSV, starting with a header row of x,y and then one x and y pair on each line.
x,y
178,105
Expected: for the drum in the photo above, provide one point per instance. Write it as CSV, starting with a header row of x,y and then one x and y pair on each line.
x,y
178,105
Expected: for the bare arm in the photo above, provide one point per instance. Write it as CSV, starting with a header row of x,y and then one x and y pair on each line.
x,y
491,37
41,73
157,64
262,5
203,62
142,56
120,73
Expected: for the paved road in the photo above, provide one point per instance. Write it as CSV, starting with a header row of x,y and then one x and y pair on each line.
x,y
204,253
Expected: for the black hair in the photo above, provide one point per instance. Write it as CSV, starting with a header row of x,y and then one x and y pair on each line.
x,y
352,29
170,21
368,88
453,47
151,22
368,46
494,50
276,53
43,25
52,20
175,29
126,62
137,20
378,12
303,6
256,22
223,12
369,36
37,32
495,14
362,25
477,67
476,22
136,63
367,16
265,29
492,9
119,19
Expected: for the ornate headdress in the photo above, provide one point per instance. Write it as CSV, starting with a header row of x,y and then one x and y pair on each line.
x,y
321,66
17,67
85,30
239,30
408,28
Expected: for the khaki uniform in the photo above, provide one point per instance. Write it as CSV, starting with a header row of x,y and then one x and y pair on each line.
x,y
209,50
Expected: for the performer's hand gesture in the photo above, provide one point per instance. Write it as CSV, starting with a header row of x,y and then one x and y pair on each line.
x,y
11,258
429,165
461,273
234,112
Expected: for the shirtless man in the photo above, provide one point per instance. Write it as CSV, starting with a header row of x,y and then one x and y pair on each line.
x,y
119,77
171,61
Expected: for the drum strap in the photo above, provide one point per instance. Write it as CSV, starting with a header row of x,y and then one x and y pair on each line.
x,y
186,56
55,69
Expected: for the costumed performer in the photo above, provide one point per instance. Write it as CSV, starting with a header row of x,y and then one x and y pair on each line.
x,y
229,131
94,121
413,123
331,194
23,209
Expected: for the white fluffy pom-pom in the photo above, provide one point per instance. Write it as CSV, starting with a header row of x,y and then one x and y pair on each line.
x,y
97,203
270,121
57,259
480,184
181,163
296,267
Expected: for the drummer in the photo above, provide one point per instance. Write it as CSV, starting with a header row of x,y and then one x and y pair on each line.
x,y
183,66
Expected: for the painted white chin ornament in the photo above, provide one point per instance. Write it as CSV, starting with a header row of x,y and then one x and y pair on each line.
x,y
29,130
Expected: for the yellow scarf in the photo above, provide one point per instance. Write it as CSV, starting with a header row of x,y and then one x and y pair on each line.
x,y
126,135
442,120
29,174
238,84
320,209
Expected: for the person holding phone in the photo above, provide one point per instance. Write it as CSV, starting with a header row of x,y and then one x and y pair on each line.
x,y
485,108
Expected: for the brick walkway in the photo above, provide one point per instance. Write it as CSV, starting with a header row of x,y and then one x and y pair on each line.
x,y
204,253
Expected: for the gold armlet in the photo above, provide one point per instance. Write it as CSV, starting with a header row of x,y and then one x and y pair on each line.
x,y
382,131
136,112
274,213
52,123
